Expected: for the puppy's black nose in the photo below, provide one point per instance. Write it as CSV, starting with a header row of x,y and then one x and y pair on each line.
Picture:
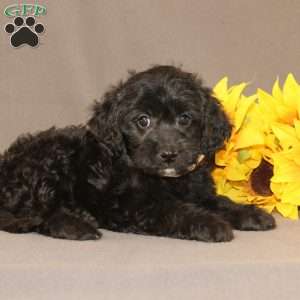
x,y
168,156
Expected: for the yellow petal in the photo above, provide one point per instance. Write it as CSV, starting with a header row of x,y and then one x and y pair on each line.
x,y
221,158
276,91
293,154
249,136
221,88
291,91
286,135
297,127
234,97
268,207
277,189
286,114
236,171
242,110
236,194
252,163
285,170
272,144
267,106
291,193
288,210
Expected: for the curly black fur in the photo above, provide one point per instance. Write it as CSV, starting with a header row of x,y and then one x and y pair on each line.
x,y
133,168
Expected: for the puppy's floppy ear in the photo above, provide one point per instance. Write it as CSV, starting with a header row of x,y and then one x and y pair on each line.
x,y
104,121
217,127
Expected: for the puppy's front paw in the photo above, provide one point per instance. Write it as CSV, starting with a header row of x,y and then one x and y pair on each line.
x,y
65,226
212,229
251,217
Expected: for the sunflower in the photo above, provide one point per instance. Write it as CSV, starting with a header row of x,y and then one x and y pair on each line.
x,y
285,183
261,160
283,111
241,164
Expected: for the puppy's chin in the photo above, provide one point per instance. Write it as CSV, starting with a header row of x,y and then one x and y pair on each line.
x,y
169,173
172,172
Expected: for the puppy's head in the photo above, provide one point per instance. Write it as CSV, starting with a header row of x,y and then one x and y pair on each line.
x,y
163,120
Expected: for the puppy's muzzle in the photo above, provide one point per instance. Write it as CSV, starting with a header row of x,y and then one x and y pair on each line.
x,y
172,172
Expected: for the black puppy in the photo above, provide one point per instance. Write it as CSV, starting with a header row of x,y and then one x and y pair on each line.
x,y
141,165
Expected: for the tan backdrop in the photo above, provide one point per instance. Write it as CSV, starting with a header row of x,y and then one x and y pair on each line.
x,y
90,44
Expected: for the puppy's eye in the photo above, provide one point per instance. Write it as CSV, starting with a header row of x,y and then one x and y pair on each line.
x,y
143,121
184,119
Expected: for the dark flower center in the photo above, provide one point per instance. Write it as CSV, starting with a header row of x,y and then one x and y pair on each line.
x,y
260,179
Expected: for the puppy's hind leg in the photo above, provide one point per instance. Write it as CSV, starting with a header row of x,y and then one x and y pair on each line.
x,y
241,217
66,225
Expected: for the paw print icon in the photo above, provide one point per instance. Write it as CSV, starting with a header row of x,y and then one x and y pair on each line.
x,y
24,31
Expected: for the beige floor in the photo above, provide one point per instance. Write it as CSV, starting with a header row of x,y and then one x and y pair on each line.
x,y
263,265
